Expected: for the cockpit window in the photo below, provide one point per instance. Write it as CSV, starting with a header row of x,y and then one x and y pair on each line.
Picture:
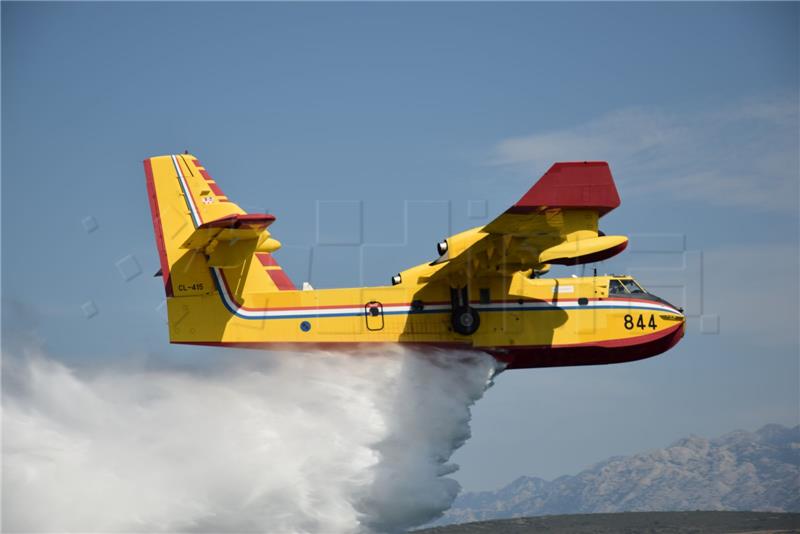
x,y
624,287
632,286
615,287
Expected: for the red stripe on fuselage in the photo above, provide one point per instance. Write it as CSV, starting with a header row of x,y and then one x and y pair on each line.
x,y
390,304
347,345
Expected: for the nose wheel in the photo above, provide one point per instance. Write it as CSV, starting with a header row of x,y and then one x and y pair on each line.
x,y
465,319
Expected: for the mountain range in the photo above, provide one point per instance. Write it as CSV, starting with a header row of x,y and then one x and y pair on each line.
x,y
741,470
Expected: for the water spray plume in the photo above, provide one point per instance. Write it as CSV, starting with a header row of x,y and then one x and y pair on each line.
x,y
279,442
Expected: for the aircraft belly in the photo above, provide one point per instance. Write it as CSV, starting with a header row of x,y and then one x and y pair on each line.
x,y
593,353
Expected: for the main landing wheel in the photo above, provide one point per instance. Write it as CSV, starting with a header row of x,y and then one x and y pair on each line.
x,y
466,320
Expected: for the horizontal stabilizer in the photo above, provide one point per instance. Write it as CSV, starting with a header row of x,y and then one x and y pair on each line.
x,y
229,228
230,240
249,221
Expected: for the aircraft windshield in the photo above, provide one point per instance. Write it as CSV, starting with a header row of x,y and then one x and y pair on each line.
x,y
632,286
623,287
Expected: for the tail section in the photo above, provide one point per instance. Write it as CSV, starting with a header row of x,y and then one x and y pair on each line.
x,y
198,229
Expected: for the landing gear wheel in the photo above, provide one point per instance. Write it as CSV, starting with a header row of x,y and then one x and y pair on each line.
x,y
466,320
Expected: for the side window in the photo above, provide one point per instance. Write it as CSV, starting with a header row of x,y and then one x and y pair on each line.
x,y
616,288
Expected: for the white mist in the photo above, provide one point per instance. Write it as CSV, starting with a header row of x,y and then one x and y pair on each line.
x,y
281,442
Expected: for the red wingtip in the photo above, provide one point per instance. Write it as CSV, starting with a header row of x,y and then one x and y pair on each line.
x,y
586,184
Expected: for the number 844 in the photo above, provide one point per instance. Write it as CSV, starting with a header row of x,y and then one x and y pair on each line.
x,y
630,324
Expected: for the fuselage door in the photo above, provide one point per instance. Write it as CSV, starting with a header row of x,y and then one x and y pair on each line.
x,y
373,311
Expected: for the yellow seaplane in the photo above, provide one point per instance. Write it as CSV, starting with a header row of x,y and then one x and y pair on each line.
x,y
485,290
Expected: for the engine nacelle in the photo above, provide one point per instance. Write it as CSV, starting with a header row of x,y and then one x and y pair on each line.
x,y
455,245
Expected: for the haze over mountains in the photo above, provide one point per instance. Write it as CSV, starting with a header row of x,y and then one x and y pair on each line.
x,y
738,471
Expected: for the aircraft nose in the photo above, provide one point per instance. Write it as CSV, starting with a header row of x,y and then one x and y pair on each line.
x,y
678,310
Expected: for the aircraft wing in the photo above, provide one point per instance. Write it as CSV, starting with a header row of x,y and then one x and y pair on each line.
x,y
555,222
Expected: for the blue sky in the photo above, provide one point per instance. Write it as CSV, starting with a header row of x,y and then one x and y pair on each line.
x,y
373,130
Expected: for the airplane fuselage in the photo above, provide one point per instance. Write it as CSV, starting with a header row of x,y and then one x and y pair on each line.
x,y
524,322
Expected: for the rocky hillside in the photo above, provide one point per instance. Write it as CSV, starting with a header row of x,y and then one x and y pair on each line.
x,y
633,522
738,471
